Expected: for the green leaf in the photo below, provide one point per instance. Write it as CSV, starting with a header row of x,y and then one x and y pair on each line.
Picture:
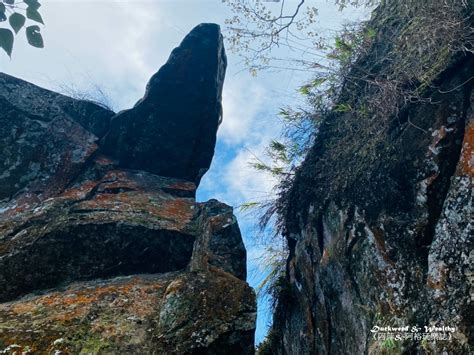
x,y
34,37
17,21
343,108
371,33
34,4
305,90
248,205
284,112
277,146
34,15
6,40
3,17
318,81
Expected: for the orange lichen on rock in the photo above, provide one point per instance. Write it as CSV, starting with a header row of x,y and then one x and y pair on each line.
x,y
466,161
78,192
183,185
107,313
380,243
177,209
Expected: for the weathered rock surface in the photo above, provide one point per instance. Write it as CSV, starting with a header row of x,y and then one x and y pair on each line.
x,y
220,243
45,137
97,258
171,131
379,217
125,223
45,106
173,313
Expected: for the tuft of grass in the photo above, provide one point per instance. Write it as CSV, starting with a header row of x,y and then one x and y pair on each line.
x,y
95,94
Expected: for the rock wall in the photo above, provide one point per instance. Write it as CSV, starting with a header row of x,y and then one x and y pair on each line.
x,y
379,216
103,248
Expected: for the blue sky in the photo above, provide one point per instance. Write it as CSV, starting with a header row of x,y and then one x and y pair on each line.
x,y
118,45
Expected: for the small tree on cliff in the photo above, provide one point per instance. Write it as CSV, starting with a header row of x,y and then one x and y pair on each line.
x,y
15,15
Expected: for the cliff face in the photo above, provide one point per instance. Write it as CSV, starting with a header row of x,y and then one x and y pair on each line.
x,y
103,248
379,216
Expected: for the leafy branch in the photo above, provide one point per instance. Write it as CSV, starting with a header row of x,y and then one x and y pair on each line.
x,y
17,13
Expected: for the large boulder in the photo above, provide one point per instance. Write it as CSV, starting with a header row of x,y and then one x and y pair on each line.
x,y
193,300
173,313
220,243
124,223
171,131
127,222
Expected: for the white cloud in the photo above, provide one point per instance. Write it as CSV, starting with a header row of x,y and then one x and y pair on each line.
x,y
242,100
249,123
242,180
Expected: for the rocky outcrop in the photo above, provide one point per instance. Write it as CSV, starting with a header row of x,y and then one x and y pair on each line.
x,y
379,216
172,130
45,137
173,313
99,258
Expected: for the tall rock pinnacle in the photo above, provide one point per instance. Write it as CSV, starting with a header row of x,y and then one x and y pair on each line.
x,y
172,130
